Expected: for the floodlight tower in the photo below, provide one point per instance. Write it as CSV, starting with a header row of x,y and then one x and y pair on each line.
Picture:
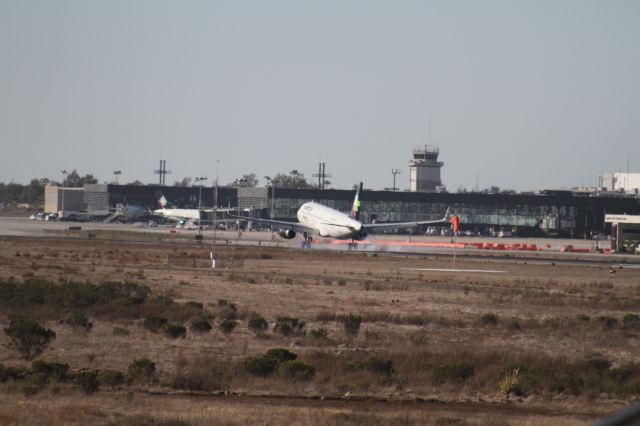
x,y
199,181
64,180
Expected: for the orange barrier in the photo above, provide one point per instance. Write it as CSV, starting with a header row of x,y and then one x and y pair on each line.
x,y
478,246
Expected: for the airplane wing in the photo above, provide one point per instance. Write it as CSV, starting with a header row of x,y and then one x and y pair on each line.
x,y
396,225
296,226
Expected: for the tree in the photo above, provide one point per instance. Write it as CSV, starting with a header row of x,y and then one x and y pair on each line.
x,y
28,337
246,181
185,182
74,180
294,179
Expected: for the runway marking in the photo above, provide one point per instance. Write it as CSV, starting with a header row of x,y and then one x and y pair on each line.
x,y
486,271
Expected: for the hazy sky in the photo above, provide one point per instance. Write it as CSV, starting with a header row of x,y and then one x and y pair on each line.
x,y
522,94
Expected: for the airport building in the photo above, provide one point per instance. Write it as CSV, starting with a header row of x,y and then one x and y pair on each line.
x,y
424,170
625,232
628,183
552,213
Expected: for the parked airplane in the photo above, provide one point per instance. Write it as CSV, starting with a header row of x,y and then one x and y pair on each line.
x,y
318,219
187,216
178,214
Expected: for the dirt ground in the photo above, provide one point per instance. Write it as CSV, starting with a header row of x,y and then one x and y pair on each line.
x,y
411,306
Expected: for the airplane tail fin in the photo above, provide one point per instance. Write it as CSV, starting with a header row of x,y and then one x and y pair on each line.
x,y
355,208
163,202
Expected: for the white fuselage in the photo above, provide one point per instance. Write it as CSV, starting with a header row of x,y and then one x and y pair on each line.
x,y
178,214
329,222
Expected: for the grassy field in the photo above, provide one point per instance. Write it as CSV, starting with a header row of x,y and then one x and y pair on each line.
x,y
313,337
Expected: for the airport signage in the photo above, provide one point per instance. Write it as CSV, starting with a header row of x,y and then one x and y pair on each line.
x,y
621,218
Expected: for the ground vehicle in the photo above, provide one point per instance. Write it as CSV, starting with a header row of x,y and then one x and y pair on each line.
x,y
631,246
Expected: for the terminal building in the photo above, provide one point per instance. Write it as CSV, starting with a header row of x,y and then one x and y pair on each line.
x,y
579,213
552,213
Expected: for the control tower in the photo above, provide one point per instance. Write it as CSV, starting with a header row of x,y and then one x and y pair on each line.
x,y
424,169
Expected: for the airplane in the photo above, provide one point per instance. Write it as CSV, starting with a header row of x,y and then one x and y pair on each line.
x,y
185,216
178,214
318,219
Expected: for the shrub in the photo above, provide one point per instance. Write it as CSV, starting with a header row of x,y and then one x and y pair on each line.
x,y
80,320
11,373
290,326
583,317
454,372
163,300
522,379
34,383
201,326
87,381
510,383
375,364
201,373
28,337
514,325
263,365
281,355
351,324
297,370
70,294
143,369
260,365
195,305
120,331
52,370
631,319
174,330
154,324
489,319
111,378
226,309
257,324
607,321
228,325
319,334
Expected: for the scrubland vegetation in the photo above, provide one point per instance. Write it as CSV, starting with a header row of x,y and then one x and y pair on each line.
x,y
110,321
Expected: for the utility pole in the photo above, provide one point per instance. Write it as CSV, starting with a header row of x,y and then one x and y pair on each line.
x,y
199,181
162,171
271,185
64,180
214,255
395,172
321,175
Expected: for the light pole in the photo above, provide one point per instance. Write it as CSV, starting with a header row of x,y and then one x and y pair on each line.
x,y
199,181
395,172
215,219
272,185
64,179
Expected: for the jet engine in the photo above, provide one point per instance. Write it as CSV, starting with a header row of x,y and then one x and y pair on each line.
x,y
287,233
361,236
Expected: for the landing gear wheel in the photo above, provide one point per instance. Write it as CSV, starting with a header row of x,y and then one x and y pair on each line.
x,y
352,246
306,243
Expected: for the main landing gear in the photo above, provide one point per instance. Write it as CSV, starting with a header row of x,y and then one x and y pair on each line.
x,y
306,243
352,245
